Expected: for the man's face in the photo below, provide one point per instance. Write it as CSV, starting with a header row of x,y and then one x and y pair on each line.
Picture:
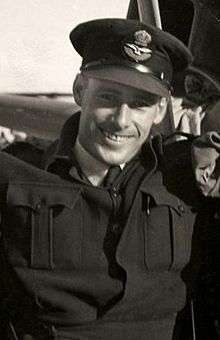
x,y
115,120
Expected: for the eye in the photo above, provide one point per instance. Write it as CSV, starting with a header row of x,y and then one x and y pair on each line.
x,y
140,103
107,97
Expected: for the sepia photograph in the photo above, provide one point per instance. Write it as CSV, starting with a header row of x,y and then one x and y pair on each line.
x,y
110,170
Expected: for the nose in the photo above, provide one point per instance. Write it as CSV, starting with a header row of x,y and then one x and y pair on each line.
x,y
122,116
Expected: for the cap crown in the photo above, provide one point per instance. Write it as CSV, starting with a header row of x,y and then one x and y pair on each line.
x,y
132,45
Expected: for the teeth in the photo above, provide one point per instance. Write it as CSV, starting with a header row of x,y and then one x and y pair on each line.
x,y
116,138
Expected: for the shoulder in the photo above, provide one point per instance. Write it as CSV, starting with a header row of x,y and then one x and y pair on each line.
x,y
178,176
27,152
172,154
177,155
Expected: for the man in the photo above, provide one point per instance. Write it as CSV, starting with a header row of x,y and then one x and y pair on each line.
x,y
89,255
197,113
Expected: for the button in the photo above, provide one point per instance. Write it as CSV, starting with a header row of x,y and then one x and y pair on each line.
x,y
217,215
217,326
115,228
114,192
38,206
41,203
181,208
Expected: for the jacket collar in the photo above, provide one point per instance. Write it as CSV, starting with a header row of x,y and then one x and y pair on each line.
x,y
62,148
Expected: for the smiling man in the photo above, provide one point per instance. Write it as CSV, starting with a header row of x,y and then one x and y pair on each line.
x,y
94,244
115,122
123,88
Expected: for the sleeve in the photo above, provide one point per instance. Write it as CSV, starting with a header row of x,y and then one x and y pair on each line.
x,y
27,152
5,332
1,286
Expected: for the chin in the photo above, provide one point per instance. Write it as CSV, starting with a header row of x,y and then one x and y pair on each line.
x,y
110,157
117,160
111,160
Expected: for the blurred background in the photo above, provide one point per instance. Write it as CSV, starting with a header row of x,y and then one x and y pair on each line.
x,y
36,54
38,63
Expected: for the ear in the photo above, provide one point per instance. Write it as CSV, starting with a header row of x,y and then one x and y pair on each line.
x,y
161,110
79,86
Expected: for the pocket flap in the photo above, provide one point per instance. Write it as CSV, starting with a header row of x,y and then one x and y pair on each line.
x,y
158,191
166,200
32,194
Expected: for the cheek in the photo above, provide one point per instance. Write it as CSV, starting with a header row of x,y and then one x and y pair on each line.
x,y
102,114
85,126
144,124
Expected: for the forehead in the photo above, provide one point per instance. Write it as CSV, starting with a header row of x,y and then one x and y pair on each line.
x,y
101,85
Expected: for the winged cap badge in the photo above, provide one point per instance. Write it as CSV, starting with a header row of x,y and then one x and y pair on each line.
x,y
142,38
139,50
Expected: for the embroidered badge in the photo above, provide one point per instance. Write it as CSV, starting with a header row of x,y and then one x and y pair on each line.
x,y
142,38
138,50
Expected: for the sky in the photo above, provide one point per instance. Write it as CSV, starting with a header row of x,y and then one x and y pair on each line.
x,y
36,54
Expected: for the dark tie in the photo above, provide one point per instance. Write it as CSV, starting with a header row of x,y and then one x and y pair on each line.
x,y
112,174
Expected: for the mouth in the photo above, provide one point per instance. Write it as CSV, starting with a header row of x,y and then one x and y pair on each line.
x,y
115,137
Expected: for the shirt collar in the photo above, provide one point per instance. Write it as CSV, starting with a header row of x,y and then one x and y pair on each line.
x,y
94,170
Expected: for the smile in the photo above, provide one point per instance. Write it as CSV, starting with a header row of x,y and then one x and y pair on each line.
x,y
115,137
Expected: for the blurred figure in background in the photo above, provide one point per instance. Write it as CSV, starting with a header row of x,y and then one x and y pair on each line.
x,y
8,136
197,112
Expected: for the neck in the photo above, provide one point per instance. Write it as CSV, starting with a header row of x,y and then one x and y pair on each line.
x,y
93,169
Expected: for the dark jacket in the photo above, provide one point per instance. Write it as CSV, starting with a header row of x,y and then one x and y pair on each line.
x,y
75,266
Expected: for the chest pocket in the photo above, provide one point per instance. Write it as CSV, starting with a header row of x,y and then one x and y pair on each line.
x,y
167,234
32,232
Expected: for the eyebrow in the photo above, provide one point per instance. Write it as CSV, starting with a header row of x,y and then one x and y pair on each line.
x,y
109,90
148,98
